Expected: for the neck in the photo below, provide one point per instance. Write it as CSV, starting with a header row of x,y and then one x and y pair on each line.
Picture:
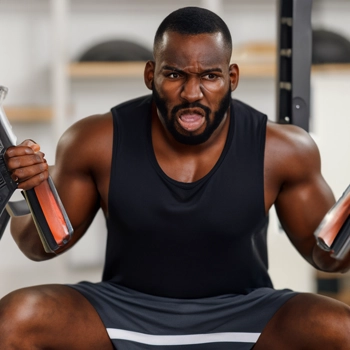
x,y
187,163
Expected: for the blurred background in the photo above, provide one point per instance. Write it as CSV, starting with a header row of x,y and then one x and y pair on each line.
x,y
47,61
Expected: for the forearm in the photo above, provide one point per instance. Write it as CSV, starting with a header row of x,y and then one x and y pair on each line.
x,y
325,262
28,166
26,236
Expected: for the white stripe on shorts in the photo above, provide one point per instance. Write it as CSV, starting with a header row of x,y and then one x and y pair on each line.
x,y
182,339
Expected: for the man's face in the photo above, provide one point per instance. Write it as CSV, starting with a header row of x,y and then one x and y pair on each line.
x,y
190,116
192,85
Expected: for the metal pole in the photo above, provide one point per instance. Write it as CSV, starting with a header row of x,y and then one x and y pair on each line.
x,y
60,82
294,51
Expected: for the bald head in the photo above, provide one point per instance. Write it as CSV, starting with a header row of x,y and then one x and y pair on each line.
x,y
191,21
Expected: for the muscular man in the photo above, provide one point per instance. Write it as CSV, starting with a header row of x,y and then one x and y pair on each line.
x,y
186,178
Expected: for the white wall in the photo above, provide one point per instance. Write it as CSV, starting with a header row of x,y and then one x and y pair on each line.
x,y
25,63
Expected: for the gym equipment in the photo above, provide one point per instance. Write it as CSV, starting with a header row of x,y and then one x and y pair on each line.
x,y
294,62
7,185
329,48
43,202
116,51
298,47
333,234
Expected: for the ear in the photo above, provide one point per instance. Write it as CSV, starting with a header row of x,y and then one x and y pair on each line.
x,y
149,74
234,76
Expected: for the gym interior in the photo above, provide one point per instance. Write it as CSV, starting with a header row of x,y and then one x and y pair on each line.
x,y
52,83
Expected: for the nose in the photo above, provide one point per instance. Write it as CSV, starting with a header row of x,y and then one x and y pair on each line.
x,y
191,90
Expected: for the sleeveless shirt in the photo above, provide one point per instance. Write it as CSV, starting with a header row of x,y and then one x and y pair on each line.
x,y
187,240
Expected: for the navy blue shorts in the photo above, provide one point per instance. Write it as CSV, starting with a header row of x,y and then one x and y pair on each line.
x,y
137,321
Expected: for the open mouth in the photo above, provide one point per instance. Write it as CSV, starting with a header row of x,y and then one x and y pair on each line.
x,y
191,119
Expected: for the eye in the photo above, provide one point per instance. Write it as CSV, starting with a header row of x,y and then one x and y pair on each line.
x,y
173,75
210,76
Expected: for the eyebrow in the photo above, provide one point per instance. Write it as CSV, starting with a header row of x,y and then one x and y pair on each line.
x,y
174,69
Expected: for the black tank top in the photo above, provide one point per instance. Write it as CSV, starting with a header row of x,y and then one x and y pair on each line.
x,y
187,240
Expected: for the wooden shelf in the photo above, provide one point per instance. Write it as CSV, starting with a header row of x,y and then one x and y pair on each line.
x,y
267,68
257,70
28,114
106,69
136,69
331,68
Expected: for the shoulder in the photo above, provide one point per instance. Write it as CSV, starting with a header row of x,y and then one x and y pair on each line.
x,y
87,139
290,151
92,128
289,135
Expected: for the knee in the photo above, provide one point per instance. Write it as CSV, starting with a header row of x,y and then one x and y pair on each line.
x,y
328,320
335,324
308,321
21,313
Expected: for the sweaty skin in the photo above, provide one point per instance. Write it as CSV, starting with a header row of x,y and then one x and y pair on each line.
x,y
187,70
293,181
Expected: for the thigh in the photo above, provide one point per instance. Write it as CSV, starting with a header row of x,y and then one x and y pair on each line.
x,y
308,321
50,317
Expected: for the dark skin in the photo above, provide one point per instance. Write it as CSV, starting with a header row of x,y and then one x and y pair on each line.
x,y
186,69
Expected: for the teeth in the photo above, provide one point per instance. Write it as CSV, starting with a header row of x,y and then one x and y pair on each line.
x,y
191,122
190,117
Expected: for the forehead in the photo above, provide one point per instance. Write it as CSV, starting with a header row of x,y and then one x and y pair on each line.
x,y
204,49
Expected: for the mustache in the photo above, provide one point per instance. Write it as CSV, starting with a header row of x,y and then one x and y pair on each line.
x,y
191,105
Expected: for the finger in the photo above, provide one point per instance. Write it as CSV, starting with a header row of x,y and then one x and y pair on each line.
x,y
27,184
25,147
24,173
17,162
31,144
15,151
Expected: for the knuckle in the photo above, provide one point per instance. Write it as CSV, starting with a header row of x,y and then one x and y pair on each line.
x,y
42,177
39,157
9,151
19,172
13,164
43,167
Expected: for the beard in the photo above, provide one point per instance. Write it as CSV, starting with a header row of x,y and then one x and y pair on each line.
x,y
187,137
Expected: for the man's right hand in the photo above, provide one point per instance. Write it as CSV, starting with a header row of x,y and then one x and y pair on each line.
x,y
27,164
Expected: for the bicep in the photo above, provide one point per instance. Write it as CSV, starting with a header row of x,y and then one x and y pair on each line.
x,y
304,200
75,184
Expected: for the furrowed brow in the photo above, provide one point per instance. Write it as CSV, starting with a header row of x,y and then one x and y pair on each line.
x,y
209,70
173,69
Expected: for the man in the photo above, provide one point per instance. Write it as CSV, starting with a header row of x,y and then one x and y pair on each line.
x,y
185,178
